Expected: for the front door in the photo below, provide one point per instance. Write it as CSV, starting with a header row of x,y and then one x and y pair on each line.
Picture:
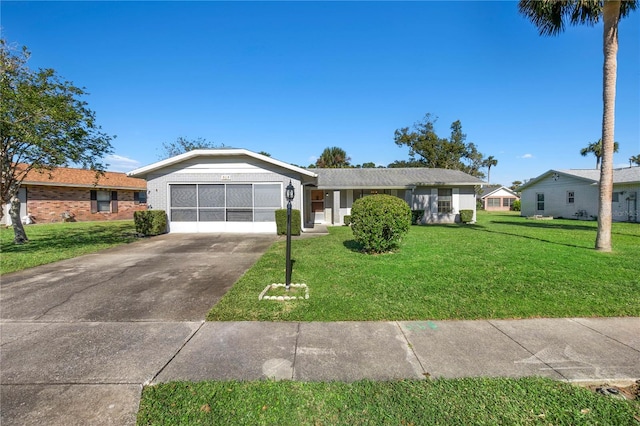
x,y
317,206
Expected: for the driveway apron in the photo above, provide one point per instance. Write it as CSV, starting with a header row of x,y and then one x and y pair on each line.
x,y
79,338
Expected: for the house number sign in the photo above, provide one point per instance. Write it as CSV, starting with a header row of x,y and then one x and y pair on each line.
x,y
226,177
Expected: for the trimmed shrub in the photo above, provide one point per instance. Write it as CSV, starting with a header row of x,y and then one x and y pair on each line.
x,y
416,215
281,222
347,220
515,206
150,222
466,216
379,222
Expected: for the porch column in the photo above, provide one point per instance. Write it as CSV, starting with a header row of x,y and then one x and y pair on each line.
x,y
336,208
433,202
455,199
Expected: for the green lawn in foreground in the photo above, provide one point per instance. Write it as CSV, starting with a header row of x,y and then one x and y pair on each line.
x,y
440,402
58,241
505,266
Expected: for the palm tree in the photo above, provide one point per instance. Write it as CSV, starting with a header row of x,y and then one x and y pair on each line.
x,y
634,159
550,16
595,148
333,158
489,162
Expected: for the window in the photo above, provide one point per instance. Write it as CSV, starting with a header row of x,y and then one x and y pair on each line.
x,y
444,200
266,201
571,198
615,197
493,202
103,201
225,202
184,203
140,197
507,202
540,203
239,203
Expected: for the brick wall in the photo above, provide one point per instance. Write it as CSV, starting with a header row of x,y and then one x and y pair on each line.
x,y
47,204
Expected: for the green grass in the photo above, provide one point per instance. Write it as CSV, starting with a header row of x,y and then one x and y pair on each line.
x,y
525,401
58,241
505,266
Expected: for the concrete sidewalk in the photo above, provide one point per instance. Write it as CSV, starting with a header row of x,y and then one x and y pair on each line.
x,y
93,372
563,349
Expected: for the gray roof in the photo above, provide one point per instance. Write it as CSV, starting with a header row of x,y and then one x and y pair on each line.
x,y
392,178
624,175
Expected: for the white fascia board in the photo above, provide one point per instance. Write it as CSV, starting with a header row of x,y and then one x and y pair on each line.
x,y
143,171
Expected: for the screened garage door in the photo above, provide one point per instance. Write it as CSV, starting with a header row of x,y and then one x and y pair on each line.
x,y
252,202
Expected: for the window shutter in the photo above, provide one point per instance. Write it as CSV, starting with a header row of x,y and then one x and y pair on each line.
x,y
114,201
94,201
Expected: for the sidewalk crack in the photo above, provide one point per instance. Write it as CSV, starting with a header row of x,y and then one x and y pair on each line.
x,y
295,353
148,382
424,372
523,347
602,334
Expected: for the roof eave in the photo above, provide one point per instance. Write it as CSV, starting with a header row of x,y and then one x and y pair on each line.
x,y
144,171
83,185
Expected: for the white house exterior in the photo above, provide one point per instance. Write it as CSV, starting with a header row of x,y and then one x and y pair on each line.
x,y
574,194
236,190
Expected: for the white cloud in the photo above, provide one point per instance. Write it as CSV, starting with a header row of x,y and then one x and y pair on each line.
x,y
526,156
118,163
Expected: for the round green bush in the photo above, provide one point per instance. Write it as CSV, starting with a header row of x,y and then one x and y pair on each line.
x,y
379,221
515,206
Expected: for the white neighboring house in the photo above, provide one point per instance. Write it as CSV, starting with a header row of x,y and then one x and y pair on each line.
x,y
236,190
574,194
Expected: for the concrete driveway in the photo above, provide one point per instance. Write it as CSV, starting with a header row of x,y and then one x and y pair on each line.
x,y
80,337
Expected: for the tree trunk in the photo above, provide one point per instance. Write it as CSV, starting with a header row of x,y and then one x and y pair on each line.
x,y
20,237
611,16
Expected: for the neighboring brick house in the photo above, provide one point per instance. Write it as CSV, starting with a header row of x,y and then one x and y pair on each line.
x,y
496,198
67,194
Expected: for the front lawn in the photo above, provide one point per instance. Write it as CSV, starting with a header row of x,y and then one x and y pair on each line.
x,y
505,266
407,402
58,241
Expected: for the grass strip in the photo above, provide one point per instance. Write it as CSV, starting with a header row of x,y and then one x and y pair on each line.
x,y
58,241
503,401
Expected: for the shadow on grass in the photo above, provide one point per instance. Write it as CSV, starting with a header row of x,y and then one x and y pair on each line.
x,y
353,245
482,228
545,225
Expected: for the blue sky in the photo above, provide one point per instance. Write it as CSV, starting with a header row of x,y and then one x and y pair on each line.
x,y
292,78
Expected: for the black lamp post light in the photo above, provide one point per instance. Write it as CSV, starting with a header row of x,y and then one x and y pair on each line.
x,y
289,195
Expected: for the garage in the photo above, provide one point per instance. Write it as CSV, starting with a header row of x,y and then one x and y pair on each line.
x,y
222,190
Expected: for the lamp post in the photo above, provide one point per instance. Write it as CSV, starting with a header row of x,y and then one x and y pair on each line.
x,y
289,193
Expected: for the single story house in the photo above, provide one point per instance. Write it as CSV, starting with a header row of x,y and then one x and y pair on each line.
x,y
69,194
236,190
574,194
497,198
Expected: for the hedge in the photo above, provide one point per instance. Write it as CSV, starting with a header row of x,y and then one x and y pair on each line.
x,y
466,216
379,222
150,222
281,222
